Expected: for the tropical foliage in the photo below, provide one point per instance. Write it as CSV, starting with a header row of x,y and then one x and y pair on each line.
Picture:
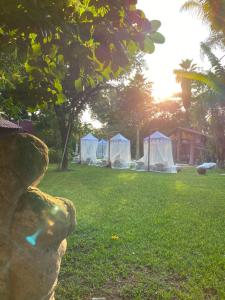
x,y
188,66
63,46
210,11
210,97
67,55
126,107
212,101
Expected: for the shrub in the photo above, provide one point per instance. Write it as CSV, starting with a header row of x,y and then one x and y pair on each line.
x,y
201,171
54,156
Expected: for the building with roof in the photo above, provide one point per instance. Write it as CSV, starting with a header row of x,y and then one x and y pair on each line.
x,y
7,127
189,145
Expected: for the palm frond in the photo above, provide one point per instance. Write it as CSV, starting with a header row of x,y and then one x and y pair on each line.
x,y
187,64
190,5
209,11
216,40
215,62
194,7
209,79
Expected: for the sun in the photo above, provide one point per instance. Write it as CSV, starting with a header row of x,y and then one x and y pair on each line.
x,y
183,34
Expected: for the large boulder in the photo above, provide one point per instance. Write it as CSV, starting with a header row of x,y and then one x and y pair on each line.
x,y
33,225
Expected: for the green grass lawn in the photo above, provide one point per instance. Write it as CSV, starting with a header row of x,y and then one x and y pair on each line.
x,y
171,230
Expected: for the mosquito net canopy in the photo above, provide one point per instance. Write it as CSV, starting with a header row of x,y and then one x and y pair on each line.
x,y
158,155
119,152
88,148
102,149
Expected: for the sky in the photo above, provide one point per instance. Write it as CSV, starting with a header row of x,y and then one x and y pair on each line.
x,y
183,32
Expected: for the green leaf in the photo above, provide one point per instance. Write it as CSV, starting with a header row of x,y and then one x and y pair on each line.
x,y
118,72
100,78
203,78
157,38
78,85
58,85
149,46
91,82
60,99
32,36
51,91
60,58
28,67
36,49
132,47
155,24
106,72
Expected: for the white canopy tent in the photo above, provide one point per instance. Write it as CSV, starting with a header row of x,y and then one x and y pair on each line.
x,y
119,152
102,149
88,147
158,155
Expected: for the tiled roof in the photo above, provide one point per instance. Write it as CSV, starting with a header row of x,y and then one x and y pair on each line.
x,y
192,131
7,124
189,130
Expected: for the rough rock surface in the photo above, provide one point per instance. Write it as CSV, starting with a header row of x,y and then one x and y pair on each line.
x,y
33,225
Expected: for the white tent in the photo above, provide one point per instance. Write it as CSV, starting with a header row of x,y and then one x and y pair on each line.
x,y
119,152
102,149
88,147
158,154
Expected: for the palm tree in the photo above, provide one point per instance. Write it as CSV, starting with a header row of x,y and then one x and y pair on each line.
x,y
214,99
186,65
211,12
136,105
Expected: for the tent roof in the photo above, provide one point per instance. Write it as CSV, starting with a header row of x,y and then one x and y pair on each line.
x,y
89,137
102,141
157,135
7,124
119,137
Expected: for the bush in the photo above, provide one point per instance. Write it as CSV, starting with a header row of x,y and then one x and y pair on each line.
x,y
54,156
201,171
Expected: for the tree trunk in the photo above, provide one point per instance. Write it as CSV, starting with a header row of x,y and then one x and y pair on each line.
x,y
137,142
65,128
66,114
192,153
187,117
219,129
220,153
220,164
64,162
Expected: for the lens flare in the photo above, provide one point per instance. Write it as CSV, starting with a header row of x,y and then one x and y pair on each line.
x,y
32,239
48,222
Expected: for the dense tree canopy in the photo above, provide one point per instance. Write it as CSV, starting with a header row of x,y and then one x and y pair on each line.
x,y
68,46
69,49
